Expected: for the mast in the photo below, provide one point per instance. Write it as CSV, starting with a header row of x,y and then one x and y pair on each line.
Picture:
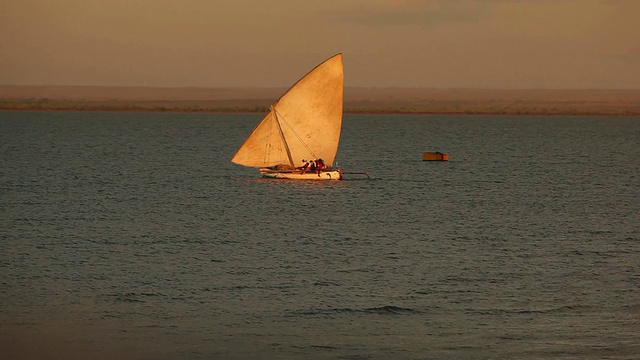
x,y
284,140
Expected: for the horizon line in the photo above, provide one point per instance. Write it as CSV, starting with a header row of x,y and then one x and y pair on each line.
x,y
346,86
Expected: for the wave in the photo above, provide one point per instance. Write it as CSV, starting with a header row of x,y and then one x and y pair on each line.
x,y
133,297
632,308
561,309
382,310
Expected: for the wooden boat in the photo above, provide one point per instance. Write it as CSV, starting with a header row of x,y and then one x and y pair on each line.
x,y
435,156
305,123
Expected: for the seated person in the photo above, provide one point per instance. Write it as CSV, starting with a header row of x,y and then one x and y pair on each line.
x,y
305,166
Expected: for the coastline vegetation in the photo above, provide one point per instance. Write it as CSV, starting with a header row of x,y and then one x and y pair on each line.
x,y
357,100
454,107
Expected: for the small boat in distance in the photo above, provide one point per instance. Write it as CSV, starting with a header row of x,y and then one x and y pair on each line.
x,y
304,124
435,156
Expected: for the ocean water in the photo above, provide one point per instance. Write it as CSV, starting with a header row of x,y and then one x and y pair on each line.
x,y
132,236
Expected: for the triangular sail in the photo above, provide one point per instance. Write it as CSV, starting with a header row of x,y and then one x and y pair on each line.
x,y
304,123
264,147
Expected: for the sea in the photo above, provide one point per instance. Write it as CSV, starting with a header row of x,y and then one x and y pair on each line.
x,y
131,235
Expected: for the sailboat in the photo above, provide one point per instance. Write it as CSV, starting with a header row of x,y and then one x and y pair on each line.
x,y
303,124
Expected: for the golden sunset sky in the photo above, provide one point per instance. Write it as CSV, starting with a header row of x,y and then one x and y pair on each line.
x,y
519,44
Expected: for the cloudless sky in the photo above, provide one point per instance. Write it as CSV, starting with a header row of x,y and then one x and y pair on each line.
x,y
558,44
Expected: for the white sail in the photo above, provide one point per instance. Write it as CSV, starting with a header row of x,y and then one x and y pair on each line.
x,y
304,123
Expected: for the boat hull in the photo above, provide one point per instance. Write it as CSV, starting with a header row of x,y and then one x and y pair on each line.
x,y
298,175
435,156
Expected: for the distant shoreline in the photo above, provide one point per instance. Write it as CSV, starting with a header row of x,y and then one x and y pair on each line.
x,y
372,109
381,101
359,112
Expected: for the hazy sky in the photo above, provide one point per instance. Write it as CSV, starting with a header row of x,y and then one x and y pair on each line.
x,y
425,43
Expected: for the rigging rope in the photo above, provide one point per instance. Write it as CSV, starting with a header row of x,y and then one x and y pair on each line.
x,y
283,120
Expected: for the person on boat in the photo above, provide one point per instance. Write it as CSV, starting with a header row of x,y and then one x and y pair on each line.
x,y
313,165
304,166
319,166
